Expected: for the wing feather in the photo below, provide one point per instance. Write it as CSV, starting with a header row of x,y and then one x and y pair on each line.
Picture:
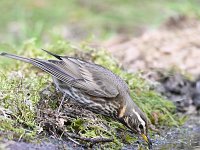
x,y
53,70
95,80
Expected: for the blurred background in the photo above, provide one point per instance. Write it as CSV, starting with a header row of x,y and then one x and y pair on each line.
x,y
141,34
77,20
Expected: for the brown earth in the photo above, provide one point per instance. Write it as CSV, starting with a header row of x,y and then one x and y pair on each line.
x,y
176,44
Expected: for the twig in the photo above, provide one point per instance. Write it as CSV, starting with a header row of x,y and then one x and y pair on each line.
x,y
93,141
61,103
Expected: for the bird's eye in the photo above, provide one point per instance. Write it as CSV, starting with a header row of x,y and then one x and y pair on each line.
x,y
141,127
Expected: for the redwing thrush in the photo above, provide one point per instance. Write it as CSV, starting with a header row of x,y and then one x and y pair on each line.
x,y
94,87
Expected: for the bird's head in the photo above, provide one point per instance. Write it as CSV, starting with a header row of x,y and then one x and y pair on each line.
x,y
132,117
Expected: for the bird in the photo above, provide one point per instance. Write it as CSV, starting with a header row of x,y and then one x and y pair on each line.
x,y
95,88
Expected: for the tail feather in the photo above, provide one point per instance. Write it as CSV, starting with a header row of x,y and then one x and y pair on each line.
x,y
46,66
28,60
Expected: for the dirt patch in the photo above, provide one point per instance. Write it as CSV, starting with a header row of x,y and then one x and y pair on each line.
x,y
185,93
183,138
174,45
42,144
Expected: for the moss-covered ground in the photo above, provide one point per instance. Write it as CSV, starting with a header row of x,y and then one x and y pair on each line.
x,y
21,83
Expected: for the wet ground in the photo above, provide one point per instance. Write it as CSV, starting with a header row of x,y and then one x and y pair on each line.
x,y
186,137
182,91
185,94
46,144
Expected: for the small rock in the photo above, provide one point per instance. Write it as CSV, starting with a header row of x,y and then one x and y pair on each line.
x,y
184,93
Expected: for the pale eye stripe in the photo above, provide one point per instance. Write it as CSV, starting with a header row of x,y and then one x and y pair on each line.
x,y
139,118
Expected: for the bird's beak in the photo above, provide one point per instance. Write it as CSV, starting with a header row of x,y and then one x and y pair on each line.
x,y
146,139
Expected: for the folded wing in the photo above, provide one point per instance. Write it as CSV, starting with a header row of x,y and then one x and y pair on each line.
x,y
92,79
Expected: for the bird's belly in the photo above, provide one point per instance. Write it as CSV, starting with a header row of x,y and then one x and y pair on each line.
x,y
95,104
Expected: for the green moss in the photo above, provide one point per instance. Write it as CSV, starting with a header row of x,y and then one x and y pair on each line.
x,y
20,85
20,88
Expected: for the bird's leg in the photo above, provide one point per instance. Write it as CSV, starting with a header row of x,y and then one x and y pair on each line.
x,y
63,98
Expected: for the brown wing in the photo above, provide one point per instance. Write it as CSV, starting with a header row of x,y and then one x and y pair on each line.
x,y
92,79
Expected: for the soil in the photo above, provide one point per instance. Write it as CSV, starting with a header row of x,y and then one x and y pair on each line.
x,y
184,138
174,45
44,144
